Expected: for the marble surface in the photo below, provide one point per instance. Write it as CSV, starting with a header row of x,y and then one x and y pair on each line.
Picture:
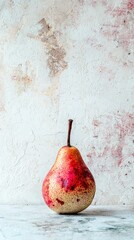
x,y
25,222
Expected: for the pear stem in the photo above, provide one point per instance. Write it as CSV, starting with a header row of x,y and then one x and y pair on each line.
x,y
69,132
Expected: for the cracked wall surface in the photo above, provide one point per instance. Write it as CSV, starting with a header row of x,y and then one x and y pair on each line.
x,y
62,60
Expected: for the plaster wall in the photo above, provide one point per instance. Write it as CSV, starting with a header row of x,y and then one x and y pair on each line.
x,y
60,60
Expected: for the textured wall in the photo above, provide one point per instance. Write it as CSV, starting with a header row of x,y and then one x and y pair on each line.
x,y
59,60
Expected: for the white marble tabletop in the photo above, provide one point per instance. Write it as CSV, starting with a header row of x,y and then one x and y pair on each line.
x,y
37,222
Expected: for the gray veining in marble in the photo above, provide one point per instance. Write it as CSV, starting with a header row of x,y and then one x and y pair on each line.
x,y
37,222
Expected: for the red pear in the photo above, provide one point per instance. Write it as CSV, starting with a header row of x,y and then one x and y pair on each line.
x,y
69,186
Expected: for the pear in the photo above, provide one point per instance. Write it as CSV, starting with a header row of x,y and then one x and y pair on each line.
x,y
69,186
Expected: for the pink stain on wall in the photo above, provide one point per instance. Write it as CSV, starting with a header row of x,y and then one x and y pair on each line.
x,y
130,4
120,29
125,127
123,62
113,135
96,122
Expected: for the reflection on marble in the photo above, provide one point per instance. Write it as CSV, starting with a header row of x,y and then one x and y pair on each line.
x,y
37,222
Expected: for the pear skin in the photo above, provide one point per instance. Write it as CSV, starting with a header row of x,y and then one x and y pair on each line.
x,y
69,186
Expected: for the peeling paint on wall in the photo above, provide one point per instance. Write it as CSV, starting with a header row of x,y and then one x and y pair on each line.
x,y
55,51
